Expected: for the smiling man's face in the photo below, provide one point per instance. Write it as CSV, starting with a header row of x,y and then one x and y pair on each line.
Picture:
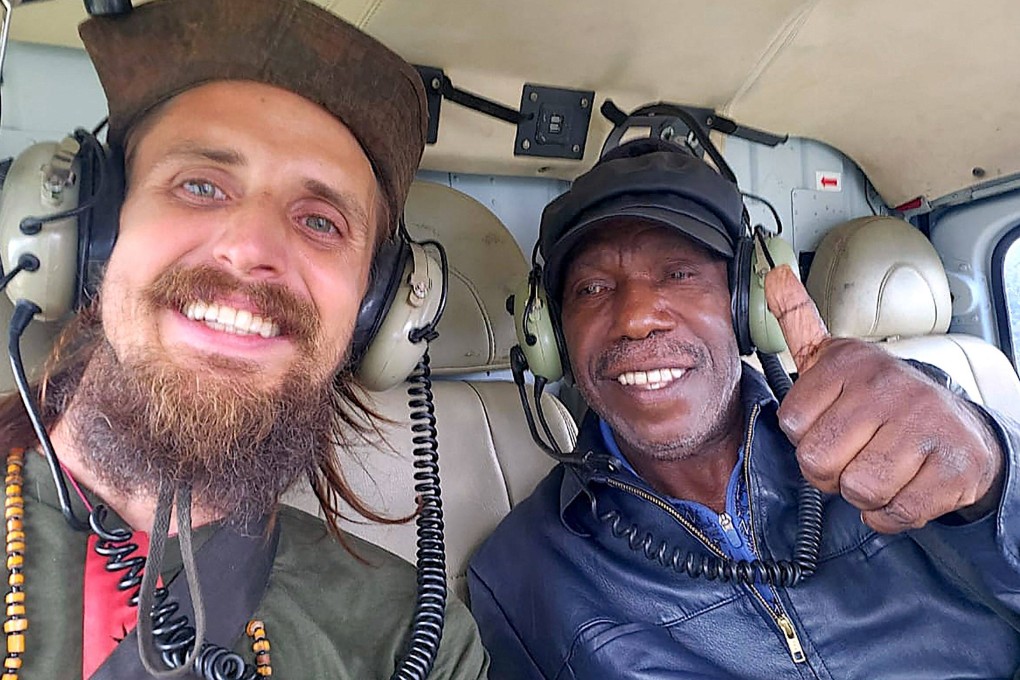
x,y
229,302
646,319
274,200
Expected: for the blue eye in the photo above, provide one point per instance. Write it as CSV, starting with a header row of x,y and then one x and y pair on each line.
x,y
203,189
320,224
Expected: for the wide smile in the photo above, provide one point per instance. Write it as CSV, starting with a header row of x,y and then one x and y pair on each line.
x,y
225,319
651,380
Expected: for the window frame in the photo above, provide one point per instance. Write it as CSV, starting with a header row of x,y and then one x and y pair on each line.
x,y
1000,303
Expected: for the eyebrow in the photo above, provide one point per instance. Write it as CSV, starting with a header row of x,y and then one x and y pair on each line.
x,y
193,150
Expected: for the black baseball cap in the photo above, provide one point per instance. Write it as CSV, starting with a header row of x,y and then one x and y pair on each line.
x,y
647,179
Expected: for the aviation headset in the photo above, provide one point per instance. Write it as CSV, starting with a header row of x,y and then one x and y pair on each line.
x,y
59,216
668,174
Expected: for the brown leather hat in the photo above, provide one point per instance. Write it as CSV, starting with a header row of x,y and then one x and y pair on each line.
x,y
165,47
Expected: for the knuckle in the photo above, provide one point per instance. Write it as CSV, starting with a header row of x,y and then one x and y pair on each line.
x,y
865,490
792,422
817,469
904,514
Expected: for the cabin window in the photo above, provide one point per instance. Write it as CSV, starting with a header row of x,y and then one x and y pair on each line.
x,y
1006,268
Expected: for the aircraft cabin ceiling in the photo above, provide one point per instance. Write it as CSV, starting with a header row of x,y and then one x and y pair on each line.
x,y
922,94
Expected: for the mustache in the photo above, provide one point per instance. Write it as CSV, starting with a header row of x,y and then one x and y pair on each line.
x,y
624,352
179,286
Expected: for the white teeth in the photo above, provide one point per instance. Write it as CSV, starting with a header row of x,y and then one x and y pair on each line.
x,y
655,379
227,316
243,319
229,320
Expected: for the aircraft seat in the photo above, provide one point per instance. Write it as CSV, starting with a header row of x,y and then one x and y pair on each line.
x,y
488,461
880,279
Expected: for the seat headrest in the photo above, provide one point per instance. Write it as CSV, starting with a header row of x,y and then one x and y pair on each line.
x,y
476,332
877,278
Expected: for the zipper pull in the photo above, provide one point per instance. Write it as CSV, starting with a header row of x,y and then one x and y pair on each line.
x,y
792,641
726,522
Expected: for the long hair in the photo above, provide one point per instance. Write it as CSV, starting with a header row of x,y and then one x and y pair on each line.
x,y
66,364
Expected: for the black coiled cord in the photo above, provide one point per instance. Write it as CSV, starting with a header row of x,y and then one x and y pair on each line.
x,y
773,572
173,634
430,607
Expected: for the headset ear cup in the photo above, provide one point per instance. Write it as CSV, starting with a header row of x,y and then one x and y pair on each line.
x,y
98,227
413,303
53,286
740,283
763,329
536,330
384,279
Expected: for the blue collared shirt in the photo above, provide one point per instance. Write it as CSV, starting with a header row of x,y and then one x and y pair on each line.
x,y
730,530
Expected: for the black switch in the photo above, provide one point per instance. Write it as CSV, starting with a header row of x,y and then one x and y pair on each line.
x,y
552,126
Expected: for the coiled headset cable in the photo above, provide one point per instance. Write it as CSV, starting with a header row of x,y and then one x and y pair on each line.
x,y
430,606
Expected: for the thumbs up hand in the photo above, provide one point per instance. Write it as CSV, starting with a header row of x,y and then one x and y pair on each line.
x,y
870,427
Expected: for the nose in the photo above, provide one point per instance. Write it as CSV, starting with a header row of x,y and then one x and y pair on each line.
x,y
640,310
252,241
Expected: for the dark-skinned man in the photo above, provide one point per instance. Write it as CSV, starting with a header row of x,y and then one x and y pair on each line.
x,y
685,453
268,148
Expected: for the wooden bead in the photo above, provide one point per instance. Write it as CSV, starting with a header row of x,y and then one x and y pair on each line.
x,y
15,626
12,662
16,579
16,643
15,596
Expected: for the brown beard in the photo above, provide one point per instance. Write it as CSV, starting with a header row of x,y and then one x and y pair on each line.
x,y
144,420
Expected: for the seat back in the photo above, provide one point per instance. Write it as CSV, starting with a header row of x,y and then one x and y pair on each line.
x,y
880,279
488,461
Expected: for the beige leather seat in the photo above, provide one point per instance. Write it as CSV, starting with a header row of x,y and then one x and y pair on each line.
x,y
880,279
488,462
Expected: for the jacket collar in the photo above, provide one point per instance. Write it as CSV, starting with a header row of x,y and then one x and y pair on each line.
x,y
598,463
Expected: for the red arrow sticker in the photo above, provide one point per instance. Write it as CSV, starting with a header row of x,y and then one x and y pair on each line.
x,y
828,181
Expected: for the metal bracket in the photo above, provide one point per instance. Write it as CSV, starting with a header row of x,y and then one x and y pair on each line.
x,y
706,118
554,122
432,78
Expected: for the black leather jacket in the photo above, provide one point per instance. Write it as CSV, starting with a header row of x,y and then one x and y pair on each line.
x,y
556,595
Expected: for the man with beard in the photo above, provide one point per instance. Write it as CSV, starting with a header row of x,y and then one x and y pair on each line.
x,y
667,546
268,149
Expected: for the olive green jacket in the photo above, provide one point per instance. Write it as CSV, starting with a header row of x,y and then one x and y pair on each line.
x,y
327,614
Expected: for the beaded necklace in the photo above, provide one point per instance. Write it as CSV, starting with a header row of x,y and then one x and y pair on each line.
x,y
16,622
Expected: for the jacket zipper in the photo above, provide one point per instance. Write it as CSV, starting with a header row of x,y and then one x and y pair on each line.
x,y
782,620
670,510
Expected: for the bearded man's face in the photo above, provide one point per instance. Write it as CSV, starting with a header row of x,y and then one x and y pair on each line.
x,y
230,298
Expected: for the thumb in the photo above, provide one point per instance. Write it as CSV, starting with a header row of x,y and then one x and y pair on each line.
x,y
798,317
